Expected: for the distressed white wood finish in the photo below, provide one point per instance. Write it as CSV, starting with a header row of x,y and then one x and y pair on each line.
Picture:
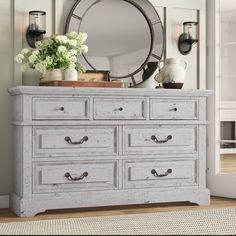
x,y
172,109
118,154
50,141
60,108
138,173
116,108
138,140
50,177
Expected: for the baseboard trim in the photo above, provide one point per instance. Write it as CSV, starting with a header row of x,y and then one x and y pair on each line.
x,y
4,201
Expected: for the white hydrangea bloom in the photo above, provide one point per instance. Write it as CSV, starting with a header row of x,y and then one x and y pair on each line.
x,y
46,42
82,37
49,60
73,52
61,49
73,43
24,51
79,50
72,34
35,52
74,59
84,48
19,58
41,67
38,44
67,55
32,58
62,38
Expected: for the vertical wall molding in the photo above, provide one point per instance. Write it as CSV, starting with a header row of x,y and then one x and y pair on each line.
x,y
201,14
58,17
18,37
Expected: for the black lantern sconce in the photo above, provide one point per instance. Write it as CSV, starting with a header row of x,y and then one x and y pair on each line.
x,y
188,37
37,27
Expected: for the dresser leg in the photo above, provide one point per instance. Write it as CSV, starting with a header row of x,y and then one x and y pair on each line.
x,y
24,207
202,198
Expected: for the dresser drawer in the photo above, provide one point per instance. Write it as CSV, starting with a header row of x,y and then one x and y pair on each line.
x,y
173,109
77,176
161,139
123,109
74,141
154,173
60,108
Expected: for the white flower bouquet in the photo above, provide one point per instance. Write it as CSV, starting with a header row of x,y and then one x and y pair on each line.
x,y
56,52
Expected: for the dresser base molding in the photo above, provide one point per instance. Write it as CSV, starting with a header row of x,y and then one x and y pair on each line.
x,y
28,207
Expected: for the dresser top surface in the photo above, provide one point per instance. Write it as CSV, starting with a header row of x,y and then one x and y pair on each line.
x,y
40,90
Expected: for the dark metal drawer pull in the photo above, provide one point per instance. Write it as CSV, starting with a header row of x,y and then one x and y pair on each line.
x,y
69,177
174,109
121,109
62,109
169,171
68,140
154,139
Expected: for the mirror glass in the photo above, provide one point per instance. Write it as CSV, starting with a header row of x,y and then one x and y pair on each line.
x,y
124,37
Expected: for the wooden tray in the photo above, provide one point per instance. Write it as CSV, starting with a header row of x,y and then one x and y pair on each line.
x,y
106,84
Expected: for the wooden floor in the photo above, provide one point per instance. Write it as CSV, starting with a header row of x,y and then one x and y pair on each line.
x,y
7,216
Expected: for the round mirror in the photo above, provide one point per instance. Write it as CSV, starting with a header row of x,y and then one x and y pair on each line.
x,y
125,37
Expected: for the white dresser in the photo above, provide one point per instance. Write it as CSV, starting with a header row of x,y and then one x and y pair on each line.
x,y
88,147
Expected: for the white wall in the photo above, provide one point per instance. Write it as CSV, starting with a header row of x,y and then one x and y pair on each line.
x,y
14,19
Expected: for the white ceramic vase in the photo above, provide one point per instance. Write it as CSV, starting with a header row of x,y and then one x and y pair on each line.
x,y
173,72
71,75
53,75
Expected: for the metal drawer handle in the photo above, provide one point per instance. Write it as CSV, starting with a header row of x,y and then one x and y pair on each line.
x,y
69,177
154,139
174,109
169,171
121,109
68,140
62,109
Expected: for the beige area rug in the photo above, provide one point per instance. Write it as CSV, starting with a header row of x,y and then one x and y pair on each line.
x,y
202,222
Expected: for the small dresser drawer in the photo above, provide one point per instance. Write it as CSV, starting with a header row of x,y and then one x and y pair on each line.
x,y
120,109
77,176
161,139
154,173
74,141
173,109
60,108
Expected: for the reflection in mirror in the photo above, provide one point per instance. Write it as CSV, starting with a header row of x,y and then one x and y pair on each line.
x,y
125,37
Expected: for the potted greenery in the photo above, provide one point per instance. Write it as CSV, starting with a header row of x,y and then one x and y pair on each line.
x,y
55,57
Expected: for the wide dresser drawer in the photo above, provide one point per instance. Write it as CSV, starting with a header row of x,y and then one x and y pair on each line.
x,y
174,109
60,108
49,141
119,109
157,173
75,176
161,139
